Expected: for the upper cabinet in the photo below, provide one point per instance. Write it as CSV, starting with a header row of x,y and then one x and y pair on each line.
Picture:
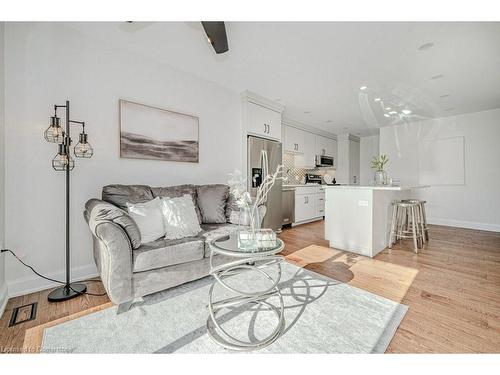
x,y
305,146
261,117
293,140
325,146
263,121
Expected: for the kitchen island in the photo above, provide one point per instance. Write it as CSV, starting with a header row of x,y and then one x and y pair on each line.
x,y
358,218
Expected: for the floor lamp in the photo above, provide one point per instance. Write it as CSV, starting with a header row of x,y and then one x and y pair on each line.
x,y
63,162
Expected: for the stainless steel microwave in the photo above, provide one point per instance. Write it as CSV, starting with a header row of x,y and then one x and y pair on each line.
x,y
324,161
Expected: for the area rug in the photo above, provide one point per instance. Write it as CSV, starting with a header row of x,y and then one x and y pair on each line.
x,y
322,316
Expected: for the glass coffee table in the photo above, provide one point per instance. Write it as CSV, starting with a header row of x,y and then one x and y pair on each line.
x,y
258,260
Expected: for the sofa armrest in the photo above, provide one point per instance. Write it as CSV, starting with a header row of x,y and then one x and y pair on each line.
x,y
113,255
115,235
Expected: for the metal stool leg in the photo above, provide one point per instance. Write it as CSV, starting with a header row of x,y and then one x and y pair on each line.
x,y
414,229
424,219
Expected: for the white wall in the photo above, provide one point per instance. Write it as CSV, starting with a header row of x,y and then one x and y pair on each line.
x,y
369,147
3,285
47,63
473,205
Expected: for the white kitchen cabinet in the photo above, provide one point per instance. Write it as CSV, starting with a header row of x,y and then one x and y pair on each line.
x,y
263,121
308,157
309,203
320,204
354,162
305,207
325,146
293,140
348,160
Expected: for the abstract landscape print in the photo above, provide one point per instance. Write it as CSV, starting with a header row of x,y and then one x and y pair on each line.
x,y
148,132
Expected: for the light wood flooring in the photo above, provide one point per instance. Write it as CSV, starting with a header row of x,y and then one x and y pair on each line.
x,y
452,288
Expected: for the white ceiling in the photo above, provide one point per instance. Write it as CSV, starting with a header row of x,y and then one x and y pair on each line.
x,y
320,67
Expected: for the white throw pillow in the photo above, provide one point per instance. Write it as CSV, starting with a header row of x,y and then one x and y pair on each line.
x,y
149,218
179,217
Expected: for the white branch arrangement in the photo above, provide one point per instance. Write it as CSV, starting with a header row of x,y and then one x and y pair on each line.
x,y
237,185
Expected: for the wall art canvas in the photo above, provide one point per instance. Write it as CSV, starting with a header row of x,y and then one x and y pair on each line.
x,y
148,132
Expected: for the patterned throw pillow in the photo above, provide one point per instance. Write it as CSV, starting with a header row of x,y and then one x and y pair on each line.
x,y
179,217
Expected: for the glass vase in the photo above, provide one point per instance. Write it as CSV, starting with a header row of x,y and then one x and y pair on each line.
x,y
248,225
380,178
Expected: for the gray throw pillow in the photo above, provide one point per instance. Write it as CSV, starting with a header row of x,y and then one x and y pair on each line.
x,y
212,201
99,211
119,195
178,191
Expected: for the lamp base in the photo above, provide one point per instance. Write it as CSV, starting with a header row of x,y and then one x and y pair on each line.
x,y
65,292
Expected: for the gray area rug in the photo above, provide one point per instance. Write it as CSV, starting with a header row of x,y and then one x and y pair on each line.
x,y
322,316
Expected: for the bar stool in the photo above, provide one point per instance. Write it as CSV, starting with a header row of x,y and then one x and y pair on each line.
x,y
407,222
423,217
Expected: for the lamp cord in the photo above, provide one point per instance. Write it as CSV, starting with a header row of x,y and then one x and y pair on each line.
x,y
54,280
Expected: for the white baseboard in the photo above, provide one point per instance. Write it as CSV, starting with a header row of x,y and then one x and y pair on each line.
x,y
4,298
464,224
34,283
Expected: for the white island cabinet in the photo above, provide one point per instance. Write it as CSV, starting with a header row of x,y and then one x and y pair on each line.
x,y
358,218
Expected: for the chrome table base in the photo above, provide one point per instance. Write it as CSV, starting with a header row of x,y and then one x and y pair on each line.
x,y
257,264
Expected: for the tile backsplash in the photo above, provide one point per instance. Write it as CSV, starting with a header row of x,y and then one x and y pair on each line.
x,y
297,175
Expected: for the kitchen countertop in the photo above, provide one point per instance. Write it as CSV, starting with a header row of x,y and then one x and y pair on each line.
x,y
376,187
300,185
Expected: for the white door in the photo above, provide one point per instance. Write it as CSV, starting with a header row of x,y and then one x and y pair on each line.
x,y
263,121
308,157
305,207
293,140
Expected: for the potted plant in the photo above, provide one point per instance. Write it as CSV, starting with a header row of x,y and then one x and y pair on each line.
x,y
378,163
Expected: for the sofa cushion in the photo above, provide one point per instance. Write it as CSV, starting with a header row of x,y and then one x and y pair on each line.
x,y
212,201
163,253
119,195
99,211
178,191
212,231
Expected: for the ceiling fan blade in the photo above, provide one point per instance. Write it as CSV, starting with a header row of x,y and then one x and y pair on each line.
x,y
216,34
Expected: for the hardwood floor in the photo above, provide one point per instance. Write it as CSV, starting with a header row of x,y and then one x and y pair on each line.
x,y
452,288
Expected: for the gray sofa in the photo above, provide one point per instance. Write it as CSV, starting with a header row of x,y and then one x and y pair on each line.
x,y
130,269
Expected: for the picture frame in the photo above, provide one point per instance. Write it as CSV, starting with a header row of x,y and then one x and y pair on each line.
x,y
153,133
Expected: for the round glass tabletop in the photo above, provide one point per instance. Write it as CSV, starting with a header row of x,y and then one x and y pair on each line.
x,y
229,245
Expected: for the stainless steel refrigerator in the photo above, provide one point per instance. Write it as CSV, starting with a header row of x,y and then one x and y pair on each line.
x,y
263,158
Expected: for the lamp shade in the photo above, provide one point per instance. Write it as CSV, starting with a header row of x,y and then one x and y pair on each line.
x,y
83,149
54,132
63,161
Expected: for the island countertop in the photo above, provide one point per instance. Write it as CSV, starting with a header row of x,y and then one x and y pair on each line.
x,y
372,187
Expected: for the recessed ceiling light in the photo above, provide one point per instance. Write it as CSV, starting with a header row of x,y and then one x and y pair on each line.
x,y
406,111
363,87
438,76
388,108
449,109
377,99
392,112
307,112
386,115
426,46
444,96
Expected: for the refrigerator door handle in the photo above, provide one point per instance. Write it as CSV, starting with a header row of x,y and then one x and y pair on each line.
x,y
265,168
